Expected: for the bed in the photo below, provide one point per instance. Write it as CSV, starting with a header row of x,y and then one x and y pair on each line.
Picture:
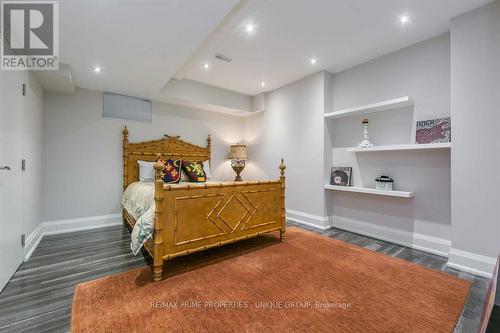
x,y
192,217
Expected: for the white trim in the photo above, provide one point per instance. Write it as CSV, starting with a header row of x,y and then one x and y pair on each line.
x,y
312,225
310,220
69,225
458,259
373,107
430,244
80,224
367,190
415,146
472,262
32,241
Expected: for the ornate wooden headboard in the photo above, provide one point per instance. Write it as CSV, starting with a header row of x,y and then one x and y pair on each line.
x,y
169,147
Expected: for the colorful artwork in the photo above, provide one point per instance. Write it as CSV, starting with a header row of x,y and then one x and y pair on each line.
x,y
434,131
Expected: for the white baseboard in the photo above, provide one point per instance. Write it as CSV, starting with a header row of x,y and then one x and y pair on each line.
x,y
472,262
310,220
80,224
32,241
65,226
435,245
461,260
414,240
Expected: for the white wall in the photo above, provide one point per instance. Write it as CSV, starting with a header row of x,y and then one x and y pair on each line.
x,y
32,152
24,126
421,71
292,127
82,162
475,159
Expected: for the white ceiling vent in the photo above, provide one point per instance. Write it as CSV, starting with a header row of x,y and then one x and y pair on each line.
x,y
223,57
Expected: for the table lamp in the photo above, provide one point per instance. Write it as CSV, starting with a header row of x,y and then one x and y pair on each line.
x,y
238,156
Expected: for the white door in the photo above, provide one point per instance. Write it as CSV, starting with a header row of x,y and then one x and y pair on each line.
x,y
11,113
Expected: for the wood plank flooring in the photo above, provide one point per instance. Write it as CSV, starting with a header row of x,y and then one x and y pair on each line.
x,y
39,296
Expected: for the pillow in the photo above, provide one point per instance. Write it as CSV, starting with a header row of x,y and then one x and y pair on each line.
x,y
146,171
206,167
184,177
171,171
194,171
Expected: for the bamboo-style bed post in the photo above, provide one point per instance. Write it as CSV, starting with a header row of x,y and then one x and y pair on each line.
x,y
125,166
283,208
209,150
158,231
125,157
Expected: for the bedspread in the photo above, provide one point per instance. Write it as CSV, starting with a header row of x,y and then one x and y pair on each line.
x,y
138,200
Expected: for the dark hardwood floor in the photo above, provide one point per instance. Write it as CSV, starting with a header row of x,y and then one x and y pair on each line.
x,y
39,296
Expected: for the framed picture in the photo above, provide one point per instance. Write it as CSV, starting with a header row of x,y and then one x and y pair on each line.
x,y
341,176
434,131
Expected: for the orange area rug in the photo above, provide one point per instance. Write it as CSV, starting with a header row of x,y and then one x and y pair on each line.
x,y
307,283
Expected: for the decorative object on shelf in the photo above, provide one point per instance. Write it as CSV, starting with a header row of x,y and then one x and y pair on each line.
x,y
238,157
384,183
366,138
434,131
341,176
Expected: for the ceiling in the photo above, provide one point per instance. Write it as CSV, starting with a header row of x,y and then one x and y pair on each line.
x,y
339,33
141,45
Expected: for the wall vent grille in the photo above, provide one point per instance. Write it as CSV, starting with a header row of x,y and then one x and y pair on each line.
x,y
223,57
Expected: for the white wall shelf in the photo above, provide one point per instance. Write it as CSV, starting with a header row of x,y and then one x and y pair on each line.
x,y
446,145
366,190
370,108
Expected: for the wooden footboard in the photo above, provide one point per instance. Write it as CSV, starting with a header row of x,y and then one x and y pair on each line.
x,y
196,217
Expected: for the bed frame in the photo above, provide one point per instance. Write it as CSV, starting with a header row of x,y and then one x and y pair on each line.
x,y
195,217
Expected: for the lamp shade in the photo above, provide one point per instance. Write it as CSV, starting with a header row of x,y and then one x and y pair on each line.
x,y
238,152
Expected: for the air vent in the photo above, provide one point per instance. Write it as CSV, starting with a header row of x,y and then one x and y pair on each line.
x,y
126,107
223,57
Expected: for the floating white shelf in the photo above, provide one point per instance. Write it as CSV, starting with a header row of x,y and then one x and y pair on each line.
x,y
446,145
366,190
369,108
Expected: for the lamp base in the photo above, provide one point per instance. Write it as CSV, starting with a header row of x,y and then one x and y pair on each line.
x,y
238,167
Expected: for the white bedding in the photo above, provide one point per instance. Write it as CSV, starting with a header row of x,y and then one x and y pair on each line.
x,y
138,200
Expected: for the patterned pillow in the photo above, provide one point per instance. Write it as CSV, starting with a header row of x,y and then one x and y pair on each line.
x,y
171,171
194,171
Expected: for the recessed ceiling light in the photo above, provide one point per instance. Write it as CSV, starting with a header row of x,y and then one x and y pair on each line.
x,y
313,61
206,66
262,84
404,19
250,28
97,69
